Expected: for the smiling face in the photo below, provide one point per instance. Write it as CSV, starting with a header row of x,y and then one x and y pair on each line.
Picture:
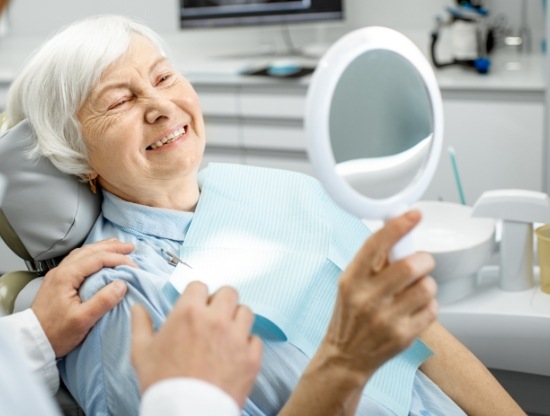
x,y
144,131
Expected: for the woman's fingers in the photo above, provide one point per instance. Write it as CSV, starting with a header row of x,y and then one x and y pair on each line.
x,y
416,296
373,255
396,277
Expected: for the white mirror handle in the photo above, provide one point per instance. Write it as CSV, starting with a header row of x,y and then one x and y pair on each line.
x,y
404,247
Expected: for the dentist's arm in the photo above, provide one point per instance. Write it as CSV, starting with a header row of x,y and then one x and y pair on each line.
x,y
58,320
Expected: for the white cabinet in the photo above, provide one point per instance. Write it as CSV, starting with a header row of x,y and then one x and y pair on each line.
x,y
498,134
498,137
255,123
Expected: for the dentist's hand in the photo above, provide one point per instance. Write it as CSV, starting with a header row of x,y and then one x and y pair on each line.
x,y
204,337
66,320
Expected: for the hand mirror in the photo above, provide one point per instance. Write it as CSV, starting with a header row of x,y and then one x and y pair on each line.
x,y
374,124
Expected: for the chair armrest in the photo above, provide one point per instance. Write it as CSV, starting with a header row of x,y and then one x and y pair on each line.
x,y
10,285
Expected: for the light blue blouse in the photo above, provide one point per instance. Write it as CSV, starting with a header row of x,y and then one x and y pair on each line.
x,y
99,373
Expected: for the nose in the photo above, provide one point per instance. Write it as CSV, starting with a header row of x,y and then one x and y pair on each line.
x,y
158,108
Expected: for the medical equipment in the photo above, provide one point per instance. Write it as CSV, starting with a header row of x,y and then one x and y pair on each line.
x,y
472,39
518,209
374,123
460,245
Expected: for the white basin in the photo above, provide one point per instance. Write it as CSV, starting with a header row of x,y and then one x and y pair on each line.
x,y
460,245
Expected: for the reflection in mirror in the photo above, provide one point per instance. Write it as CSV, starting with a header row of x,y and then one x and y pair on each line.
x,y
380,124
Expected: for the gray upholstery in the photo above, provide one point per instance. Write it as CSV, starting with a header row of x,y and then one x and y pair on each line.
x,y
45,213
2,187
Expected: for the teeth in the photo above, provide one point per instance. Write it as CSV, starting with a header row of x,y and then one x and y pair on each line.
x,y
168,139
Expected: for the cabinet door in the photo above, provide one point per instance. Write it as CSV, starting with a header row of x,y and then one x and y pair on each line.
x,y
218,100
498,140
280,101
215,154
222,131
295,161
274,134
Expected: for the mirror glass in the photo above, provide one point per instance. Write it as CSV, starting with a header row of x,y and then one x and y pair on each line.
x,y
380,124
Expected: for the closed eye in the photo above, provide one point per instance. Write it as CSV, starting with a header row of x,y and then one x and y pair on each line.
x,y
119,103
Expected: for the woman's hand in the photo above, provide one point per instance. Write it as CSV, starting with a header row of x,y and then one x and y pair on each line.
x,y
204,337
379,311
381,307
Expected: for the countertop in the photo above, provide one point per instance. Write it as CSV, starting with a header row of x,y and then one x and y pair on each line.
x,y
510,71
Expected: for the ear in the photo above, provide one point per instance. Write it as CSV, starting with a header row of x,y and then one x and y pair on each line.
x,y
92,175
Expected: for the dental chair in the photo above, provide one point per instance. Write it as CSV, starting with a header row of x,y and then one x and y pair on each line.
x,y
43,216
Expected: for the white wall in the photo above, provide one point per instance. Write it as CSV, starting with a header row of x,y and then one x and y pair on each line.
x,y
38,18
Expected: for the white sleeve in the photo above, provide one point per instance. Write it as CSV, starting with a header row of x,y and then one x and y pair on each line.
x,y
25,331
187,397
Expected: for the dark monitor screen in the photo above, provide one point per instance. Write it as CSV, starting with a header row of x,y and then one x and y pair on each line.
x,y
226,13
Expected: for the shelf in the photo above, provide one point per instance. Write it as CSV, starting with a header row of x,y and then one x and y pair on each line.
x,y
505,330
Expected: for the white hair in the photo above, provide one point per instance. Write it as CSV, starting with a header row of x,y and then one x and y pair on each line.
x,y
57,79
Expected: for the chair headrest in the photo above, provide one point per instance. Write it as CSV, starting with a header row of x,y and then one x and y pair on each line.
x,y
2,187
45,213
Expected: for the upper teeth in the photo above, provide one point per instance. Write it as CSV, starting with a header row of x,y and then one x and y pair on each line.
x,y
170,138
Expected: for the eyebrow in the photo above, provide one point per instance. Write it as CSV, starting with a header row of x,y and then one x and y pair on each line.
x,y
97,93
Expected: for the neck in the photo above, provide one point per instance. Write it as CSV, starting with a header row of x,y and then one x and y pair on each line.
x,y
181,195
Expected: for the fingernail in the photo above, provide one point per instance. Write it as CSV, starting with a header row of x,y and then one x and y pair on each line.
x,y
412,215
120,287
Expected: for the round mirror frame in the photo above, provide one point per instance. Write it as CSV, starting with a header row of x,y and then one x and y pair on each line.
x,y
318,102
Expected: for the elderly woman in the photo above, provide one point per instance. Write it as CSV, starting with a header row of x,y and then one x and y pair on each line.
x,y
108,106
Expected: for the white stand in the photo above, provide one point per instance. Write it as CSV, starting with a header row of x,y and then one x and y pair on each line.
x,y
518,209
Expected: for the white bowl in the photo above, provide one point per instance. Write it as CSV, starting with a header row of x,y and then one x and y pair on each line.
x,y
460,245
